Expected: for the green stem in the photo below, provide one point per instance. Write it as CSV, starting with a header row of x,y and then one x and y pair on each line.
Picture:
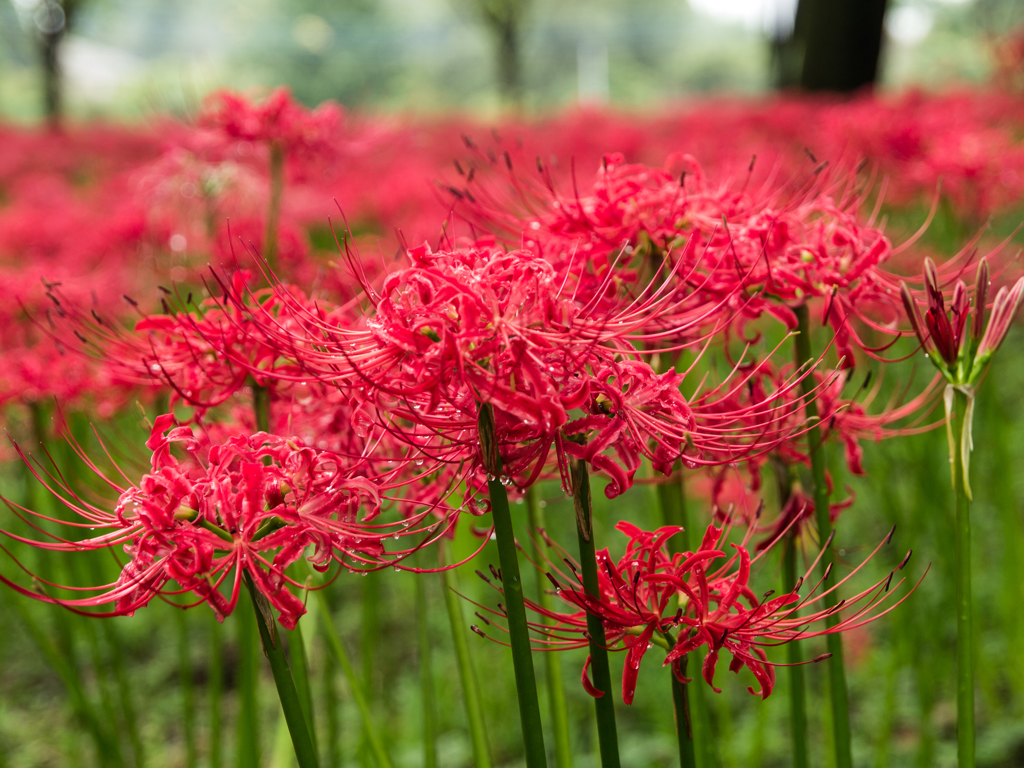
x,y
672,501
354,683
552,661
604,705
216,687
261,406
964,613
426,674
838,694
797,687
797,690
274,207
273,647
248,714
684,728
187,691
300,672
512,586
467,671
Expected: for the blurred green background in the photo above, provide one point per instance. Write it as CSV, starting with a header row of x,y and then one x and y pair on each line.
x,y
127,59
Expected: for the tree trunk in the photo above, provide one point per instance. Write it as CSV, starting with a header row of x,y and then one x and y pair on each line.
x,y
53,20
841,40
510,84
53,102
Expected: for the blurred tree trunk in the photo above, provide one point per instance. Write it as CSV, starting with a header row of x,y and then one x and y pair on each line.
x,y
52,102
835,46
504,20
52,20
788,49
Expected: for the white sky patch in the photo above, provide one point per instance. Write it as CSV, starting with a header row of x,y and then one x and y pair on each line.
x,y
768,15
909,24
95,71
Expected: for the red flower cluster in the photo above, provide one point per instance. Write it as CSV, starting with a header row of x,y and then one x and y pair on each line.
x,y
692,601
278,119
247,507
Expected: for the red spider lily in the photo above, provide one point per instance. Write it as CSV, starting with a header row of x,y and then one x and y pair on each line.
x,y
797,516
694,600
278,119
250,505
480,325
748,250
207,353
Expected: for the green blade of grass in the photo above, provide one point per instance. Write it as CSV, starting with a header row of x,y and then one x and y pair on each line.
x,y
552,661
376,744
464,659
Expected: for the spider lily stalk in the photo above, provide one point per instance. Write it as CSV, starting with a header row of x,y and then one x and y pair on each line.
x,y
291,704
604,704
690,706
797,691
512,588
961,348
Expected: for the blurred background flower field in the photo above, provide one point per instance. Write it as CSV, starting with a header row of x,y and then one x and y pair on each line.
x,y
107,191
